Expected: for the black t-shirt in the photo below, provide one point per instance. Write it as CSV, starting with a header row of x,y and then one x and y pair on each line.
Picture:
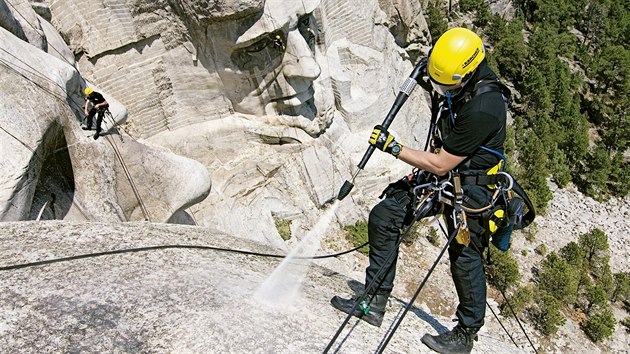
x,y
96,98
479,121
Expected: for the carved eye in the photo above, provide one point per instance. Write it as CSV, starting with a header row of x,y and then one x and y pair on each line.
x,y
305,20
262,54
308,29
258,45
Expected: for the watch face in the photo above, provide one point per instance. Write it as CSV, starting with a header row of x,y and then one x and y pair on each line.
x,y
396,149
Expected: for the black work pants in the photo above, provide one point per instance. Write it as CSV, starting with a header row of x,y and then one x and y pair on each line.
x,y
469,278
385,223
100,113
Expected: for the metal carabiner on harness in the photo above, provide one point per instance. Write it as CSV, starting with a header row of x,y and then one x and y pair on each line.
x,y
508,178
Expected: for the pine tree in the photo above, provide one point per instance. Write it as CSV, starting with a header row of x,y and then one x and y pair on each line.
x,y
559,279
594,245
600,325
595,296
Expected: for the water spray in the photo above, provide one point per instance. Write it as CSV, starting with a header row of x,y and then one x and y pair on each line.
x,y
410,83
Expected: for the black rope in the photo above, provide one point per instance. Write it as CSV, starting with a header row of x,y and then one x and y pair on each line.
x,y
415,295
510,306
501,323
133,185
163,247
38,30
518,320
368,287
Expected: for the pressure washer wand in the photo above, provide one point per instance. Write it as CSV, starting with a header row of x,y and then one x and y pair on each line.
x,y
408,86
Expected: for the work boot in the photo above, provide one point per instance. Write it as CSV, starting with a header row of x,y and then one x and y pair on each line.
x,y
459,340
371,312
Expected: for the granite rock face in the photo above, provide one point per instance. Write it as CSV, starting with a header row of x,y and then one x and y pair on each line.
x,y
51,169
273,100
196,300
234,116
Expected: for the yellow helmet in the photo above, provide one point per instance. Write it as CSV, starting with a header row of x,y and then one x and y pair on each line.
x,y
454,57
88,91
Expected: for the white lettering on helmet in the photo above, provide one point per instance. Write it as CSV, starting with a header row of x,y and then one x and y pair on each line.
x,y
467,62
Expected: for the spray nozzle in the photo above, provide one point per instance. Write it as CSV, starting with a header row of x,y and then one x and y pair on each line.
x,y
345,190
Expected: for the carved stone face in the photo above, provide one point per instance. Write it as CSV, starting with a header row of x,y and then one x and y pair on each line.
x,y
266,62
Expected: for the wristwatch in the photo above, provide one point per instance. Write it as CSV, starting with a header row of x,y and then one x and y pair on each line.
x,y
396,149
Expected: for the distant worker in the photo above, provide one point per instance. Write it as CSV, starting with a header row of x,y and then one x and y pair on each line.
x,y
99,105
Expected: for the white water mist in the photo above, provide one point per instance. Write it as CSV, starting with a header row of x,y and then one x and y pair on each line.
x,y
281,288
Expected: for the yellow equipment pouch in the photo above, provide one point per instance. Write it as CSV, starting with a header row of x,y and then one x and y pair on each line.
x,y
463,234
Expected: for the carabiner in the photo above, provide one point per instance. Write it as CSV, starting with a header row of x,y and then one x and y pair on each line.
x,y
509,178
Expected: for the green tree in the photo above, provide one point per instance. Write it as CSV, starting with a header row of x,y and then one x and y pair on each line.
x,y
481,7
594,173
533,158
585,281
572,253
605,278
592,22
518,301
510,49
612,70
571,128
471,5
544,48
618,23
559,279
436,20
557,14
503,272
594,245
537,95
622,287
559,166
546,313
595,296
619,178
526,7
600,325
560,106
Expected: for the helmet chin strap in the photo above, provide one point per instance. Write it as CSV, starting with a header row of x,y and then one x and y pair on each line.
x,y
449,99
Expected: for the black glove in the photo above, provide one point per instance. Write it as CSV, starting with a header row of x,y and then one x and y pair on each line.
x,y
384,141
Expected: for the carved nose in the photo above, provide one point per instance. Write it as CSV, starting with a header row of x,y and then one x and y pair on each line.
x,y
299,61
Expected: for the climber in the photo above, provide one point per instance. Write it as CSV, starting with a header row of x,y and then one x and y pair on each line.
x,y
99,105
470,136
278,42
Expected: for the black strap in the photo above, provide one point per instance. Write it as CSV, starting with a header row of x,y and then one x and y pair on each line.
x,y
531,211
480,180
485,86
